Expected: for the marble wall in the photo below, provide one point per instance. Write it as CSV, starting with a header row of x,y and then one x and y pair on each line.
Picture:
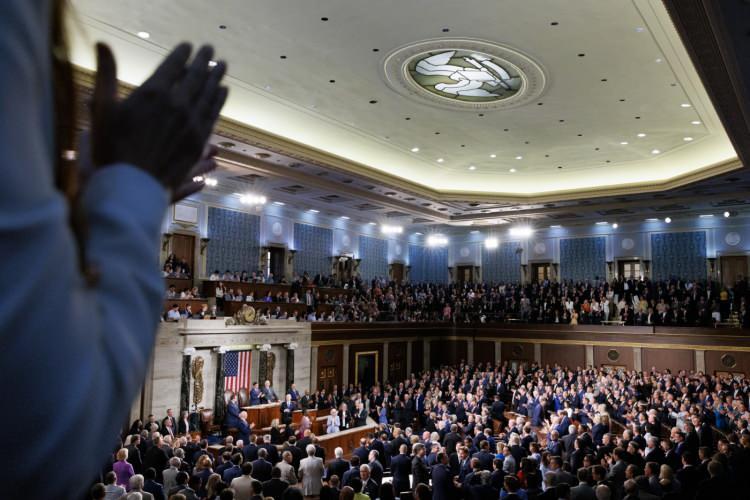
x,y
162,386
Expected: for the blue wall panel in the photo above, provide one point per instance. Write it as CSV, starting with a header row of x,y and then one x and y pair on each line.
x,y
583,259
314,246
678,255
501,264
235,241
374,255
428,264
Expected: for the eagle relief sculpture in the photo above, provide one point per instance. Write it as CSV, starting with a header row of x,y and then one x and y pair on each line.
x,y
197,372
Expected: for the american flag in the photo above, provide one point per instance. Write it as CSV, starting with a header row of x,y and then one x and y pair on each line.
x,y
237,370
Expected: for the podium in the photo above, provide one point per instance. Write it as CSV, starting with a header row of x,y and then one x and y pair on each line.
x,y
262,415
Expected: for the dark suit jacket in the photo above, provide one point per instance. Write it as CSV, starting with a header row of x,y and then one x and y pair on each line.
x,y
442,483
420,472
401,468
274,488
156,489
349,475
371,489
262,470
362,453
156,458
376,472
338,467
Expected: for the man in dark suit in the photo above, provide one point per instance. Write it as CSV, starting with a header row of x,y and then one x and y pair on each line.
x,y
442,481
688,476
231,420
419,471
338,466
361,451
288,406
275,486
369,486
401,468
361,415
156,458
451,440
352,473
272,453
484,456
134,454
269,393
346,417
376,468
262,467
151,486
234,470
170,417
250,451
255,395
186,424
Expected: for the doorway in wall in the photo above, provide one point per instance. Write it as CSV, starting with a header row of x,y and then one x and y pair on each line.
x,y
540,271
397,272
464,274
629,269
276,262
183,246
732,268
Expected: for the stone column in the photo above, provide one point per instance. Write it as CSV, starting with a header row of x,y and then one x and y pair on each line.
x,y
255,367
384,374
408,357
262,368
498,351
313,368
219,389
345,367
700,361
185,380
426,354
637,359
538,353
470,351
290,365
589,356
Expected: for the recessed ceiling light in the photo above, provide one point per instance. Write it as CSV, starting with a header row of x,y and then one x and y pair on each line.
x,y
212,64
519,157
640,29
652,219
267,87
279,203
667,219
555,226
144,34
727,214
615,225
475,231
624,143
493,155
512,170
602,223
415,150
440,160
684,105
210,181
313,211
706,216
695,122
472,167
655,151
417,234
687,139
659,59
345,217
641,135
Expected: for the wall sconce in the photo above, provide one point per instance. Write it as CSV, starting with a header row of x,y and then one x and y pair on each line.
x,y
165,239
189,351
292,346
222,349
204,244
265,347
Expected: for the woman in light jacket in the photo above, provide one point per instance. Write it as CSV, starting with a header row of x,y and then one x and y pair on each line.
x,y
333,423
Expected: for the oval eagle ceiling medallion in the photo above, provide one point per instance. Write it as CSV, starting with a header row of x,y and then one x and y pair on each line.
x,y
464,74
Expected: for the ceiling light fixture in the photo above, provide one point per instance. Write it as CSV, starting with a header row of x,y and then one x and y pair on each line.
x,y
519,157
472,167
615,225
144,34
198,178
602,223
437,240
658,60
279,203
440,160
512,170
521,231
253,199
695,122
415,150
555,226
624,143
667,219
313,211
685,105
417,234
210,181
212,64
386,229
705,216
652,219
491,243
687,139
345,217
493,155
641,135
475,231
655,151
727,214
372,223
